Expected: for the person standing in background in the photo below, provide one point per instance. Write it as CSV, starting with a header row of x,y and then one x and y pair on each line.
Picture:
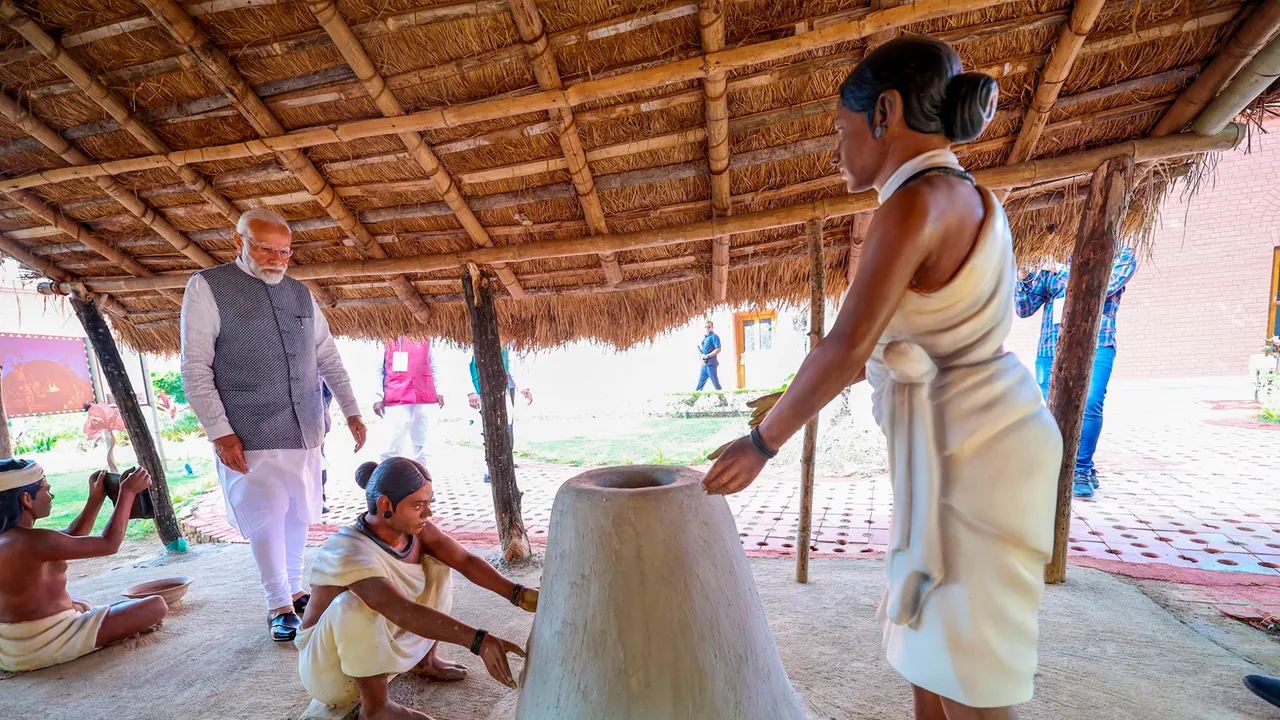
x,y
1045,287
409,397
474,398
710,351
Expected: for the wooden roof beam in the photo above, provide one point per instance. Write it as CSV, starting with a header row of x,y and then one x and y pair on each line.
x,y
596,90
1065,50
107,100
1002,177
218,70
715,90
327,14
50,138
627,179
1252,36
529,25
23,254
86,237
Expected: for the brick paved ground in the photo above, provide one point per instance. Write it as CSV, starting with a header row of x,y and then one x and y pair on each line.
x,y
1187,480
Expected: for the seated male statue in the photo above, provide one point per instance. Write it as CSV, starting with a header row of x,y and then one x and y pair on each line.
x,y
40,625
381,591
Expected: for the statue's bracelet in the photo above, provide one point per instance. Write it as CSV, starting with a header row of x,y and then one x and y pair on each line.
x,y
758,443
478,641
515,594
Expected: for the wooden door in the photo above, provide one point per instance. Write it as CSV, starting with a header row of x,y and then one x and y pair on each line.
x,y
753,335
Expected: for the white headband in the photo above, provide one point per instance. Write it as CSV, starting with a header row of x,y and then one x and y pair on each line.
x,y
21,477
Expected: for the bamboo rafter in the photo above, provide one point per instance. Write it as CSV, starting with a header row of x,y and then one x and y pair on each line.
x,y
84,236
107,100
1065,50
529,25
692,69
1238,51
215,66
326,13
22,254
1003,177
658,174
491,109
36,128
715,90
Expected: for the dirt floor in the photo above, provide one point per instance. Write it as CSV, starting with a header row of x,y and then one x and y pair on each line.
x,y
1108,650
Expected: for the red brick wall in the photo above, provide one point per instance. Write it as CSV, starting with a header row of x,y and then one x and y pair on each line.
x,y
1198,305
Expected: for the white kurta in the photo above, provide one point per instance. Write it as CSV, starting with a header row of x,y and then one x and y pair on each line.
x,y
275,476
974,457
351,640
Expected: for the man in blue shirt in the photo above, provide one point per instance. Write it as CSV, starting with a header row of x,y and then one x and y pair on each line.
x,y
474,398
1046,287
709,349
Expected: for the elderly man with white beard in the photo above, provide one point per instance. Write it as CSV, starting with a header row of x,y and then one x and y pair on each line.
x,y
255,347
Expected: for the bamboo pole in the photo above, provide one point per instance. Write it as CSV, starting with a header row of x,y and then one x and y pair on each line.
x,y
1096,243
528,21
215,67
857,236
312,88
487,349
692,69
715,90
817,320
619,180
50,138
107,100
1006,176
327,14
1248,40
1253,80
139,435
85,237
1084,13
271,172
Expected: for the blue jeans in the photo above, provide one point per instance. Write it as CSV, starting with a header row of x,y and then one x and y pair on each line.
x,y
709,372
1091,425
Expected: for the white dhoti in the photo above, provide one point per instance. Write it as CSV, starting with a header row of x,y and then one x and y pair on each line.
x,y
974,457
51,641
273,505
350,640
418,420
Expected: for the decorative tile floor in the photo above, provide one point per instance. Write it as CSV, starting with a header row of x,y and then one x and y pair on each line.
x,y
1185,483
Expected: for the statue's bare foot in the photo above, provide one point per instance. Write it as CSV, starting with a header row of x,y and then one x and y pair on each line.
x,y
393,711
433,667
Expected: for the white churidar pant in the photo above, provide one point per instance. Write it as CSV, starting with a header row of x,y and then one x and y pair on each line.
x,y
418,420
272,505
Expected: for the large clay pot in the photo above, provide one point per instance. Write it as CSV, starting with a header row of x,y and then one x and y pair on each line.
x,y
648,610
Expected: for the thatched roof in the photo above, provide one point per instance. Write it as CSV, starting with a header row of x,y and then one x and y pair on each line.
x,y
526,127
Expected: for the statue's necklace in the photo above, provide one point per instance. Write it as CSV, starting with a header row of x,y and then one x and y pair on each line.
x,y
364,529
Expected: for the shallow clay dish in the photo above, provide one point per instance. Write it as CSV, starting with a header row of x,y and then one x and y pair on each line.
x,y
171,589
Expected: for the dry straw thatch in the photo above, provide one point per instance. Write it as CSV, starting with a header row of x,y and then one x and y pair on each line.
x,y
621,166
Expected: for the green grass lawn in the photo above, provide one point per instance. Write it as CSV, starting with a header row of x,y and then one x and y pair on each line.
x,y
70,490
658,441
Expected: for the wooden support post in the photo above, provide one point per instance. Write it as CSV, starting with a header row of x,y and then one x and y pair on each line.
x,y
139,434
1096,242
487,346
817,320
6,442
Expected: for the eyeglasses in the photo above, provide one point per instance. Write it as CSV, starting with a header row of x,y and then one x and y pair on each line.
x,y
282,253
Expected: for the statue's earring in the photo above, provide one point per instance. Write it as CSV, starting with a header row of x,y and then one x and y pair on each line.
x,y
387,515
878,132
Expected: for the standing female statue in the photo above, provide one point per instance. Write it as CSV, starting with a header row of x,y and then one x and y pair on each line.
x,y
973,452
